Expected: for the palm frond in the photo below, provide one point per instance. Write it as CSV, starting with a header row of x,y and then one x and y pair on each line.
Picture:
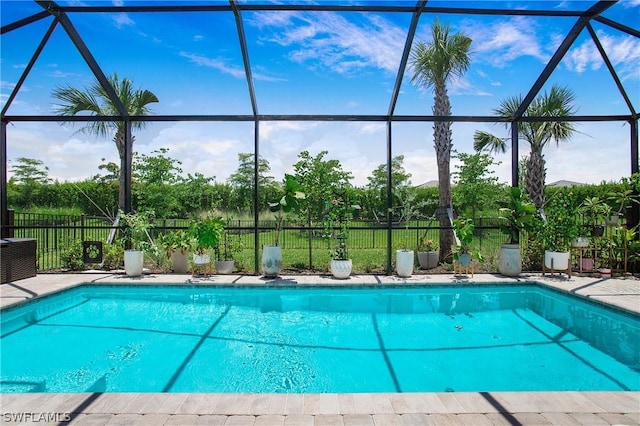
x,y
484,140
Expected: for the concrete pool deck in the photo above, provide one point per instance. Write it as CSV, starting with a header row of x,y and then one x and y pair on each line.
x,y
388,409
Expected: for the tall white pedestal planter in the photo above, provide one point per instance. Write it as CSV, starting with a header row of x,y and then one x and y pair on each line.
x,y
404,263
133,262
510,260
271,260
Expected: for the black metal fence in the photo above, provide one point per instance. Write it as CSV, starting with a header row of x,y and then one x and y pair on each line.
x,y
56,233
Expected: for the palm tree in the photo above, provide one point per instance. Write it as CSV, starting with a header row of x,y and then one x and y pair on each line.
x,y
558,102
446,56
96,101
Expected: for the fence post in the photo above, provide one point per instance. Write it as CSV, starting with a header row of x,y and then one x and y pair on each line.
x,y
82,225
11,217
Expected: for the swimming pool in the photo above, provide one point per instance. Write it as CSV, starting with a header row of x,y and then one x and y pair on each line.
x,y
102,338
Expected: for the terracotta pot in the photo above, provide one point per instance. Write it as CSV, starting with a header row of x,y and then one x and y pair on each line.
x,y
587,264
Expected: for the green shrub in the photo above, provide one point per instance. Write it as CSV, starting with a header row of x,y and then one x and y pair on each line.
x,y
112,256
71,257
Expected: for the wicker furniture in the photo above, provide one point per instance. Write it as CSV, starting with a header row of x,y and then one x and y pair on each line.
x,y
17,259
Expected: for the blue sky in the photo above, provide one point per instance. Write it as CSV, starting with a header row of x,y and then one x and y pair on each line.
x,y
316,63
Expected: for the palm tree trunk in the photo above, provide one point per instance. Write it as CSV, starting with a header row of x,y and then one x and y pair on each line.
x,y
442,141
535,178
120,141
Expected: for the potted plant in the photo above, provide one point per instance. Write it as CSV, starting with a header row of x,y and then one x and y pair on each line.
x,y
206,232
517,217
405,258
463,229
559,230
623,199
593,210
176,245
336,231
428,253
586,261
272,254
136,239
227,247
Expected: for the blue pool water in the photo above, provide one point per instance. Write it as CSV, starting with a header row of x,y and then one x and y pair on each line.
x,y
407,339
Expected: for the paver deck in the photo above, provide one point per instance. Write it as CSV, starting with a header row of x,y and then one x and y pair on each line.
x,y
387,409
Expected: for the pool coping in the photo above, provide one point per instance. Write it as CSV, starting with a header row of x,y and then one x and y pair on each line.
x,y
332,409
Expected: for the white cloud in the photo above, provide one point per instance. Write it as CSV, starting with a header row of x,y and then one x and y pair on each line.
x,y
202,148
330,41
503,41
121,20
271,130
462,86
215,63
224,67
622,51
69,158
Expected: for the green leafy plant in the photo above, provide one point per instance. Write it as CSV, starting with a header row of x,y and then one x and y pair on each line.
x,y
290,201
175,241
593,210
464,229
408,208
228,246
136,229
72,257
427,244
623,199
518,216
112,256
560,222
339,212
206,232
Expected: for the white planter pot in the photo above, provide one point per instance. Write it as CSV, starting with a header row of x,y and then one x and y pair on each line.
x,y
341,269
224,266
510,263
404,263
428,259
271,260
580,242
133,262
556,260
179,262
201,259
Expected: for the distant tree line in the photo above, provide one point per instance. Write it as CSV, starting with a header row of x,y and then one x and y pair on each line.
x,y
158,183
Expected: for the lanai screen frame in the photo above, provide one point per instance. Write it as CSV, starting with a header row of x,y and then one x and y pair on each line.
x,y
60,15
